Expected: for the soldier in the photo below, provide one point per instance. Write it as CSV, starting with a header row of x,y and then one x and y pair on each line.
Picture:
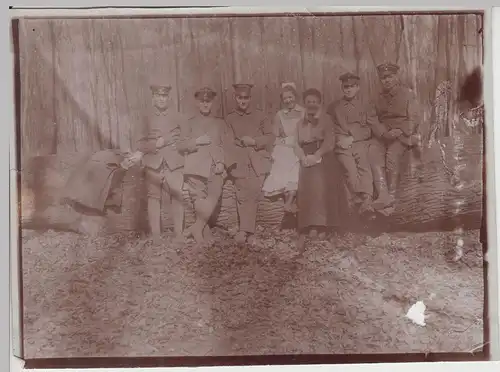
x,y
250,152
397,113
353,120
201,141
162,162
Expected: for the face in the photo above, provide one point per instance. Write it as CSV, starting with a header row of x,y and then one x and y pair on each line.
x,y
388,81
160,101
350,89
289,99
205,106
312,104
242,100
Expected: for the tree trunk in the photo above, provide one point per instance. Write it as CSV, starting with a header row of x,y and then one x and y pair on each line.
x,y
439,194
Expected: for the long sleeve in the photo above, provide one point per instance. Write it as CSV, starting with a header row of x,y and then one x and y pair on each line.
x,y
374,123
147,142
217,151
296,147
329,136
267,138
186,144
412,112
339,121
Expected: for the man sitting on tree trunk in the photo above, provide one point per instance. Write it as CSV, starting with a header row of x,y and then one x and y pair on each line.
x,y
353,120
201,141
397,114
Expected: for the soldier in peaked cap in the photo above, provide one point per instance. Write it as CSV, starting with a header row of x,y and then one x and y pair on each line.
x,y
162,162
397,128
353,120
201,142
250,157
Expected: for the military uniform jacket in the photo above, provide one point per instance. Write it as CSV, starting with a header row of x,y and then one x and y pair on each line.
x,y
397,109
199,160
254,124
353,118
167,125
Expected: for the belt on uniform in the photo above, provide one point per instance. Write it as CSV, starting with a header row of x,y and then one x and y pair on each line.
x,y
312,144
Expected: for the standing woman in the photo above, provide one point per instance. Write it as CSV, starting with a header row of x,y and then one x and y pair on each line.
x,y
284,175
315,142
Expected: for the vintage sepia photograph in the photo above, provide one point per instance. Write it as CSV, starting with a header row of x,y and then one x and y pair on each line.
x,y
220,185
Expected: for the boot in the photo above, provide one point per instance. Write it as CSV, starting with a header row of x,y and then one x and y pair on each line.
x,y
384,199
203,209
393,178
366,204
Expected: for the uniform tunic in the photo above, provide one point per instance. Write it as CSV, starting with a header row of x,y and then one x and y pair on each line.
x,y
200,161
284,175
314,194
396,109
353,118
166,160
249,165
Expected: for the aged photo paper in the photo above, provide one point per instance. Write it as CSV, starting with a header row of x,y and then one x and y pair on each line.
x,y
251,184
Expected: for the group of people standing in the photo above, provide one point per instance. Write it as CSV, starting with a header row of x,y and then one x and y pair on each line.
x,y
308,153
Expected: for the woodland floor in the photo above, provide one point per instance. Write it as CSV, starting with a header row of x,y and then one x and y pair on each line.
x,y
123,296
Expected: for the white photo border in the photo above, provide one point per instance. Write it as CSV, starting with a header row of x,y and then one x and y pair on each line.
x,y
492,86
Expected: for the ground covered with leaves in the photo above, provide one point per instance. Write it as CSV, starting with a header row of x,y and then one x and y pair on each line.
x,y
122,295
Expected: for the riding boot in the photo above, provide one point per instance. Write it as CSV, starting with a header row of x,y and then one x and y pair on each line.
x,y
384,198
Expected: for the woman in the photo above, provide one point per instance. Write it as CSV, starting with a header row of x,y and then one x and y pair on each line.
x,y
284,175
315,141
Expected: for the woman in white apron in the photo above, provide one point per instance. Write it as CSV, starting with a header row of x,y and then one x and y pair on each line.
x,y
284,176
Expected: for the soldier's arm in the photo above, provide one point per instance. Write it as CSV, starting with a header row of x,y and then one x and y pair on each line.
x,y
373,122
339,121
296,146
186,144
267,137
412,113
228,143
147,142
329,137
218,145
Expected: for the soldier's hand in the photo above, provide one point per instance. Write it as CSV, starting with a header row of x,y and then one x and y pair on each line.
x,y
416,140
248,141
203,140
345,142
396,132
219,168
160,142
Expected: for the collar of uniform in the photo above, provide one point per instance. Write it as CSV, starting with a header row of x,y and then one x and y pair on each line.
x,y
393,91
160,113
352,101
241,113
199,115
297,108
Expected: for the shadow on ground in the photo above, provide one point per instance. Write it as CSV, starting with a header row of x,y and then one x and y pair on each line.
x,y
123,296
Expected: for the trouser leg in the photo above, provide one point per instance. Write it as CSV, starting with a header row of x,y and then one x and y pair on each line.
x,y
363,169
154,190
205,194
248,192
173,185
377,162
346,159
395,153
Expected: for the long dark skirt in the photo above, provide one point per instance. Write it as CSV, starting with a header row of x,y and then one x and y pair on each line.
x,y
321,196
